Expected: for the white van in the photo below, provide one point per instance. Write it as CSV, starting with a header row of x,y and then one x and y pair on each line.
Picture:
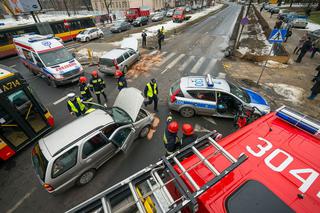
x,y
45,56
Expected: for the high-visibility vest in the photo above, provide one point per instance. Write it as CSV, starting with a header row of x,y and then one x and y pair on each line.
x,y
151,91
90,110
74,108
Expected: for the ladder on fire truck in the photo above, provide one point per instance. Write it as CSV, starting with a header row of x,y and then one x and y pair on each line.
x,y
159,187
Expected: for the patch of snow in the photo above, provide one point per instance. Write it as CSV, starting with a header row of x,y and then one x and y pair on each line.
x,y
312,26
273,64
290,93
243,50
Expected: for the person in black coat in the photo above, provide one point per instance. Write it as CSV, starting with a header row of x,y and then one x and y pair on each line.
x,y
144,39
304,49
160,39
315,89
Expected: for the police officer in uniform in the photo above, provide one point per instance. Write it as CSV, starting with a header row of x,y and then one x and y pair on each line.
x,y
97,86
151,92
75,106
188,135
170,137
122,82
84,89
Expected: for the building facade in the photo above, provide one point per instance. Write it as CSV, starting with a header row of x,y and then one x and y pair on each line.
x,y
123,5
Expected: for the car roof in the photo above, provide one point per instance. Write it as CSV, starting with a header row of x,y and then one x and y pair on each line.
x,y
115,53
201,82
66,135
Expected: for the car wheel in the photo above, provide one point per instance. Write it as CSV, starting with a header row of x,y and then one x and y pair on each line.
x,y
51,82
86,177
144,132
187,112
140,24
87,39
125,69
101,35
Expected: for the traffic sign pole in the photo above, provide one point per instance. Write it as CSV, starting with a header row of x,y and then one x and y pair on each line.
x,y
265,64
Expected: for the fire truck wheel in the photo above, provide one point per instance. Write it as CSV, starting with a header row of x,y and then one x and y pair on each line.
x,y
187,112
144,132
86,177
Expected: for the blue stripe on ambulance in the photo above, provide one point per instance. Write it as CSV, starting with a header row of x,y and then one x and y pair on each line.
x,y
196,104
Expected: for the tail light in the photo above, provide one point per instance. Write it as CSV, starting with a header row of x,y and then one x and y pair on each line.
x,y
48,187
173,96
50,119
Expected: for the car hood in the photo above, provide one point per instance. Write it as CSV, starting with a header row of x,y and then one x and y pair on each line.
x,y
131,43
130,100
256,98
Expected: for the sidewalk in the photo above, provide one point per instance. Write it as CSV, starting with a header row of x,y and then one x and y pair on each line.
x,y
281,84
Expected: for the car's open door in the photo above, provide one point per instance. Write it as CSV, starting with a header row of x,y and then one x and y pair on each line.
x,y
123,137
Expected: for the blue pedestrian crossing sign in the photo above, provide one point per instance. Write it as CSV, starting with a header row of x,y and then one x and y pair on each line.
x,y
277,35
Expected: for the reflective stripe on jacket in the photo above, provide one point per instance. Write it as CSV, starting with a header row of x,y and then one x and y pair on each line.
x,y
152,91
97,84
74,108
85,92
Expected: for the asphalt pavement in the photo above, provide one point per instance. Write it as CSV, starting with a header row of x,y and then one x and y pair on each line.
x,y
196,51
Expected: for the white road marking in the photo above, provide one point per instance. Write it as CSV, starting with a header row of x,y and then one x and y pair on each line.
x,y
13,66
186,63
60,100
153,52
175,61
26,196
163,53
209,119
210,66
197,66
164,70
166,58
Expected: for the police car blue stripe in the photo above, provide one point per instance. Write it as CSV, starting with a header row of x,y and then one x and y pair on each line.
x,y
196,104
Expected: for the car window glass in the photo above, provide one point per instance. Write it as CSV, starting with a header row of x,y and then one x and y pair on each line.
x,y
93,144
126,55
120,136
27,54
37,58
108,130
65,162
120,60
132,52
203,95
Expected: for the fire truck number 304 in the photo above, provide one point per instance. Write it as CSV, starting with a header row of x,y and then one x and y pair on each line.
x,y
264,148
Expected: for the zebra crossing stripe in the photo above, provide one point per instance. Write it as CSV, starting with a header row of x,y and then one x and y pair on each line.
x,y
175,61
210,66
197,66
166,58
153,52
186,63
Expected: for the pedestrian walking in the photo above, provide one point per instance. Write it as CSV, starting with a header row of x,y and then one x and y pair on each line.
x,y
97,86
75,106
162,31
315,89
278,24
301,42
318,75
159,36
151,92
304,49
188,135
144,39
316,47
170,135
84,90
122,82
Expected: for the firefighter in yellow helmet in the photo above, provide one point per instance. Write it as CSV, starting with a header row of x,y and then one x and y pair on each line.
x,y
75,106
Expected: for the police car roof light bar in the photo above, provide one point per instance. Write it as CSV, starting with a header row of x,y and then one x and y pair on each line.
x,y
209,80
299,120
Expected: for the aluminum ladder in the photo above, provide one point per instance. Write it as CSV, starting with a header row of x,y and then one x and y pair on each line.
x,y
148,189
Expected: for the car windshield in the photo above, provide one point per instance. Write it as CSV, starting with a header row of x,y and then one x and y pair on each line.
x,y
118,24
55,57
106,61
178,12
238,92
131,12
40,163
139,19
120,116
84,32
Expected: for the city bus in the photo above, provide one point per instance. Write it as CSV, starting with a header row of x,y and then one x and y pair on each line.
x,y
22,116
55,27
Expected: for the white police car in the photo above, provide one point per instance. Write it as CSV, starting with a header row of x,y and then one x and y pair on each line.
x,y
205,95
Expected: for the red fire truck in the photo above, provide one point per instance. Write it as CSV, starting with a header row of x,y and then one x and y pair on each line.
x,y
133,13
271,165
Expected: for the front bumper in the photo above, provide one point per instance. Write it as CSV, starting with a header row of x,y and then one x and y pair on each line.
x,y
70,79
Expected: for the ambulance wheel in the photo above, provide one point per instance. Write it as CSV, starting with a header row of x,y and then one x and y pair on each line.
x,y
144,132
86,177
51,82
187,112
87,39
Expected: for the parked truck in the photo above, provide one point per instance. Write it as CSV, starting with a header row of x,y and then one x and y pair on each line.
x,y
180,15
133,13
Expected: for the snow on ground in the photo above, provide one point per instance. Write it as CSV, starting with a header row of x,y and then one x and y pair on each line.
x,y
290,93
243,50
169,25
273,64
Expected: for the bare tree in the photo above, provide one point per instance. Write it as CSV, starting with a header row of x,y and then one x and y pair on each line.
x,y
107,4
